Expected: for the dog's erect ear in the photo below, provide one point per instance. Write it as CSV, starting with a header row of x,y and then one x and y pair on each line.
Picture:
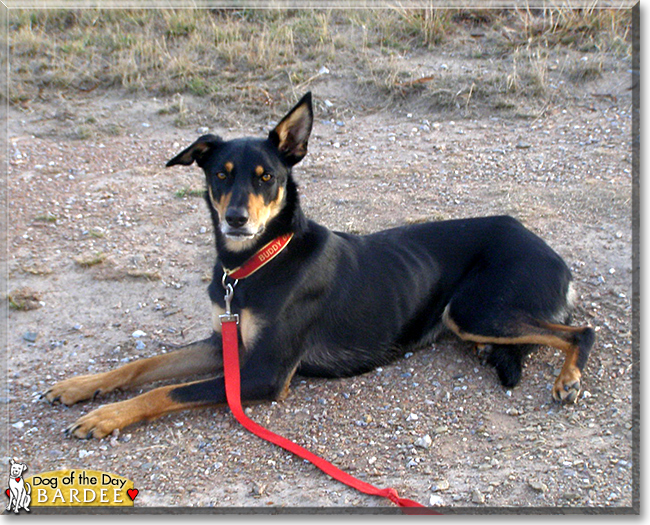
x,y
291,135
197,151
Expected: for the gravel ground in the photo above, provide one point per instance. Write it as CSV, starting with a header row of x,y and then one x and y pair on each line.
x,y
105,242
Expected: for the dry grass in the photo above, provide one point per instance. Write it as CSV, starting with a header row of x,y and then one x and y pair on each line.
x,y
24,299
255,58
89,260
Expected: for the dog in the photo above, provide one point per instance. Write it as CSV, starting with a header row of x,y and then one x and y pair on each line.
x,y
19,491
332,304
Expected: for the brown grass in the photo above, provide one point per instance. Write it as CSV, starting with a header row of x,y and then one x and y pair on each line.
x,y
256,58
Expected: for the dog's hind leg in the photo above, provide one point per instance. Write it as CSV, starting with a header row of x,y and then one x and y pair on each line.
x,y
196,358
504,329
508,361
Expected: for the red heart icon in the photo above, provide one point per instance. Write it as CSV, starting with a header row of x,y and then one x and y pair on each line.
x,y
17,479
8,493
132,493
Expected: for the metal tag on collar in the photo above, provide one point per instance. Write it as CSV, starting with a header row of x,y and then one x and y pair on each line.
x,y
228,316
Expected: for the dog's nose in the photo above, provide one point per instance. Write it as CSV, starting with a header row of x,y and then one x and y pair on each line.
x,y
236,217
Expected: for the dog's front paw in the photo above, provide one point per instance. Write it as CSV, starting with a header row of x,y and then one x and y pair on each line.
x,y
100,422
73,390
567,386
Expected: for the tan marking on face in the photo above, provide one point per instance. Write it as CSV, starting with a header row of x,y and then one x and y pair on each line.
x,y
239,246
220,205
229,166
260,212
250,325
259,171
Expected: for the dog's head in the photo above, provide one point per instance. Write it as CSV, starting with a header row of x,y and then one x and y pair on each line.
x,y
16,469
247,178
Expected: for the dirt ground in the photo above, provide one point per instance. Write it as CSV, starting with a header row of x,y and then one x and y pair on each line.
x,y
107,242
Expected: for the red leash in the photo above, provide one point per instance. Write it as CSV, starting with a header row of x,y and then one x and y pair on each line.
x,y
233,394
229,336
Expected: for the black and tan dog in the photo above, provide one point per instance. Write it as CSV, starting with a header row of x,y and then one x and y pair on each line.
x,y
333,304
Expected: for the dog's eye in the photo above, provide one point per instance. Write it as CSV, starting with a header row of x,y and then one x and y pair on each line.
x,y
266,177
222,176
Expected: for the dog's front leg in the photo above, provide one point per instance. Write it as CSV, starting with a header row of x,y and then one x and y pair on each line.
x,y
262,378
196,358
14,498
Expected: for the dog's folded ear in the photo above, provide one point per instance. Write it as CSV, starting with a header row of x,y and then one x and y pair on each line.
x,y
197,151
291,135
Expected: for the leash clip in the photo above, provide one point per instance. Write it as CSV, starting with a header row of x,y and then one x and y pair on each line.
x,y
228,316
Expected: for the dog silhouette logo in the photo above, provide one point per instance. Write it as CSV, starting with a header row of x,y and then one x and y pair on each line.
x,y
19,491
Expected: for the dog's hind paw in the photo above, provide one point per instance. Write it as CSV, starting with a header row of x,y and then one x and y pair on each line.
x,y
566,389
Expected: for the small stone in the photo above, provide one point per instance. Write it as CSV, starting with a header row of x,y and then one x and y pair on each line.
x,y
138,333
538,486
440,485
258,489
30,337
424,442
523,145
477,497
436,501
412,417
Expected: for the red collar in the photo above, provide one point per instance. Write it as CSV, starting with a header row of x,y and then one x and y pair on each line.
x,y
263,256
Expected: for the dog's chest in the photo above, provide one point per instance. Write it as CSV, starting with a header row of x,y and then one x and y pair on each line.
x,y
16,482
250,325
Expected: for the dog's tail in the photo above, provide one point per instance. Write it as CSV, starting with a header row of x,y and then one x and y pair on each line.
x,y
28,488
